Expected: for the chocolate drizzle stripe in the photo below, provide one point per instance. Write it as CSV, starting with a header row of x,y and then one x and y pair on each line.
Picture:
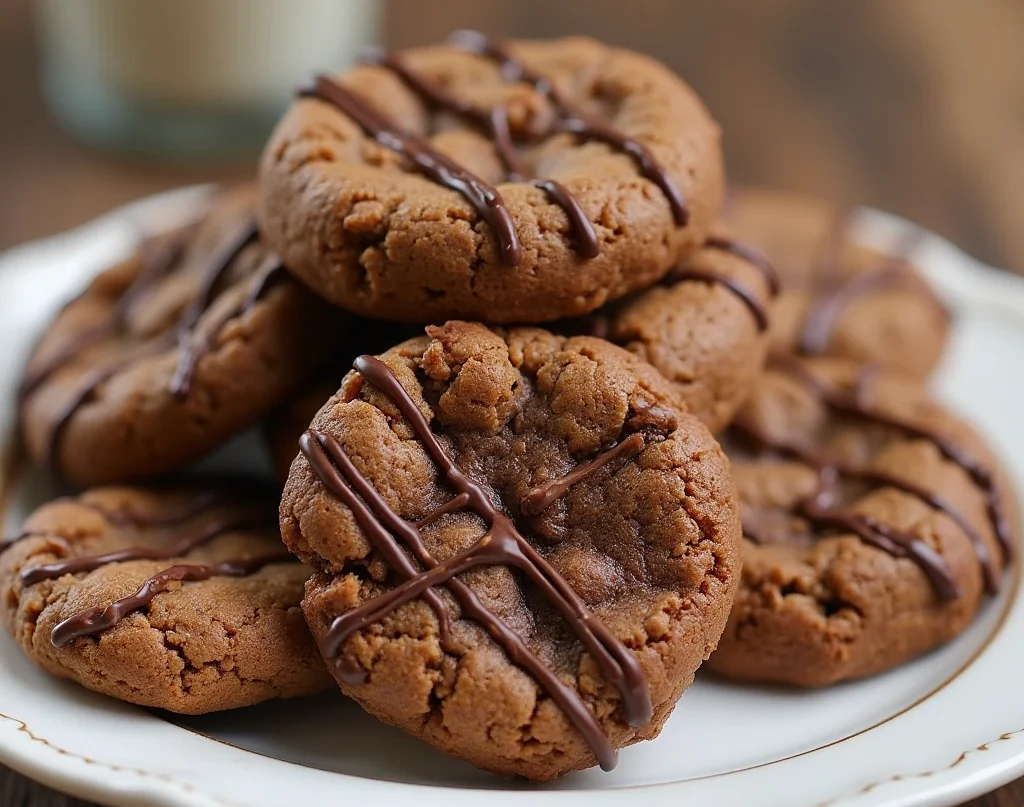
x,y
573,122
9,541
504,144
90,384
857,405
989,570
83,341
122,518
156,264
375,525
756,307
182,331
540,498
824,314
495,123
898,543
100,618
186,543
170,516
501,545
616,662
349,672
752,256
583,233
871,530
484,198
195,345
233,246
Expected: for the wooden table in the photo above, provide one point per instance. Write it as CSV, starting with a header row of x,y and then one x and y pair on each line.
x,y
871,102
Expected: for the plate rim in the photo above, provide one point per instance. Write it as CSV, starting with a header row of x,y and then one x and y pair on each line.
x,y
964,776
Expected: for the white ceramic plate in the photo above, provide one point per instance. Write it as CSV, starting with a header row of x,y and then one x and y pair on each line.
x,y
938,731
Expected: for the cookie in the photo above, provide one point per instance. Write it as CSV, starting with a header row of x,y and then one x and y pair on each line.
x,y
502,182
840,298
183,600
875,523
165,356
705,326
525,547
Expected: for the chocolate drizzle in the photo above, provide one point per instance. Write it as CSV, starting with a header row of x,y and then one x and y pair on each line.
x,y
540,498
157,262
820,511
174,515
752,256
817,510
573,122
834,298
183,545
193,346
484,198
100,618
857,404
502,544
494,123
757,307
163,518
90,382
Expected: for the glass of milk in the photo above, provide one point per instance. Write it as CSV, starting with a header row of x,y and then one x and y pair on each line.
x,y
190,78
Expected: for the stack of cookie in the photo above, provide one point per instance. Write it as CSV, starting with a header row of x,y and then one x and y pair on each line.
x,y
490,307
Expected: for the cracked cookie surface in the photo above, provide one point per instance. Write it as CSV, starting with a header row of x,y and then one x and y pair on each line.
x,y
648,541
839,298
362,228
819,600
168,354
197,647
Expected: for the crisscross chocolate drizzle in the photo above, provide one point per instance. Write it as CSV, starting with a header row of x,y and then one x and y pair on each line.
x,y
502,544
485,199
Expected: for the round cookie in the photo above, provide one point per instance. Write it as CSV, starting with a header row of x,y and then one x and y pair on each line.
x,y
91,592
839,298
705,326
165,356
875,522
591,524
502,182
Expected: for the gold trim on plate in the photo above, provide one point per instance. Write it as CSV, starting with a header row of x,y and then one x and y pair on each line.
x,y
901,777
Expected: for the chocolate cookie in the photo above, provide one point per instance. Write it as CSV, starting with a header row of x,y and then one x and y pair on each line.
x,y
170,353
525,547
704,326
875,523
505,182
840,298
183,600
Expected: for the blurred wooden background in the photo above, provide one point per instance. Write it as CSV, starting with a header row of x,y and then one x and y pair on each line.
x,y
914,106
